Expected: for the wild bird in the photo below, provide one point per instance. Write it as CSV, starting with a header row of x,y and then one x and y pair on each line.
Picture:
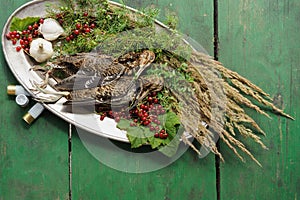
x,y
99,79
89,70
125,92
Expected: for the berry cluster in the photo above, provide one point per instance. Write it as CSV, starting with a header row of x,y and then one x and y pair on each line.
x,y
145,114
25,36
80,28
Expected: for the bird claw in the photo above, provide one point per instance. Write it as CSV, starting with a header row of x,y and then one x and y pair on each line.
x,y
37,68
44,95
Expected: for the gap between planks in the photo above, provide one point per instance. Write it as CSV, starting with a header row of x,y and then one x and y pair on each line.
x,y
70,159
216,57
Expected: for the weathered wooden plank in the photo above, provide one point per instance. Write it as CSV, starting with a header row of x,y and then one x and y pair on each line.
x,y
33,159
259,39
188,177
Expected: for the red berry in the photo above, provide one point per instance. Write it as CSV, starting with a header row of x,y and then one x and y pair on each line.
x,y
24,32
152,128
78,26
87,30
135,120
29,39
14,42
58,15
117,119
92,26
23,46
71,37
155,100
18,48
146,123
153,94
30,28
85,14
156,135
76,32
35,32
144,119
149,99
85,26
102,117
35,26
140,114
8,36
41,21
165,135
161,135
132,124
27,49
68,39
12,36
14,32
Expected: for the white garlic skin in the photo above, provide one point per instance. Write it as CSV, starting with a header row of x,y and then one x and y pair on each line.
x,y
51,29
41,50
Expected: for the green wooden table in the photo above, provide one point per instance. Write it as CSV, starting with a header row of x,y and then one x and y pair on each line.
x,y
258,39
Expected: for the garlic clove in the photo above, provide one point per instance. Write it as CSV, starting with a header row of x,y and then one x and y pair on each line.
x,y
41,50
51,29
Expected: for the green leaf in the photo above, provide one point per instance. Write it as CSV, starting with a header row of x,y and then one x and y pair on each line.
x,y
123,124
19,24
170,149
140,135
136,136
154,142
172,122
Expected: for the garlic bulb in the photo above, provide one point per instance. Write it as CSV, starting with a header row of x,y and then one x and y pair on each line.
x,y
41,50
51,29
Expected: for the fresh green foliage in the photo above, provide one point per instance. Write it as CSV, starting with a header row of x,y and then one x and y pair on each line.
x,y
176,81
22,24
117,29
148,17
140,135
171,20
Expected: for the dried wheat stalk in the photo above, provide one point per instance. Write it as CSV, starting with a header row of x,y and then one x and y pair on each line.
x,y
225,115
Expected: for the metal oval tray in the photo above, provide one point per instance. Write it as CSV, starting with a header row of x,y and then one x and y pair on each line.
x,y
20,65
